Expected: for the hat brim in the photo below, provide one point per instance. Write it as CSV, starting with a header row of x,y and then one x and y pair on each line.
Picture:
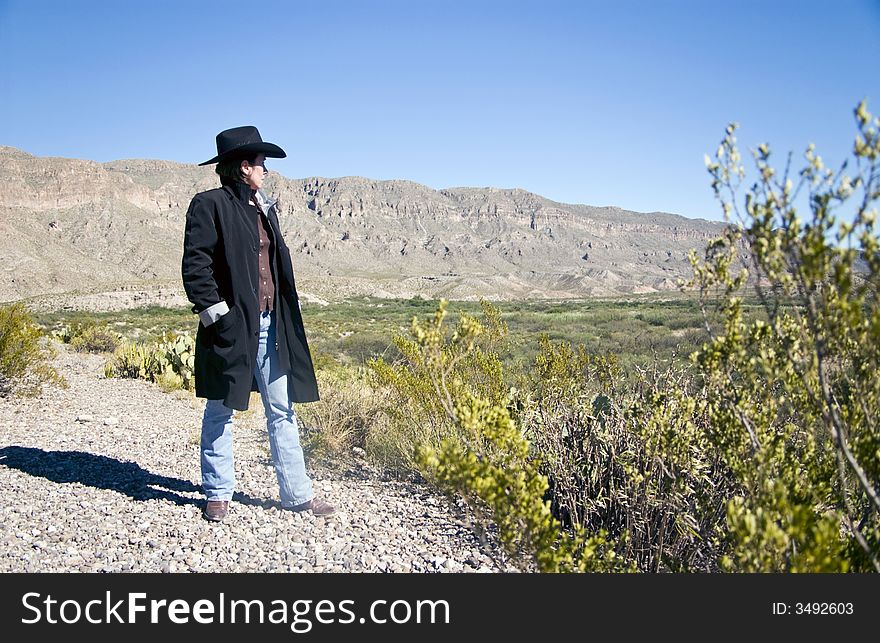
x,y
271,150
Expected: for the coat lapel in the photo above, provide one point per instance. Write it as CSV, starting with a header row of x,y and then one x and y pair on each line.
x,y
249,224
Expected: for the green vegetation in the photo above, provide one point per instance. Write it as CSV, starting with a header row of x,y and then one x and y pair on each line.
x,y
634,328
169,362
418,390
24,357
577,467
143,324
793,401
88,337
448,401
350,333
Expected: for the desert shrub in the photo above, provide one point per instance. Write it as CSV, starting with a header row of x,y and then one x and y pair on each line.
x,y
793,399
24,357
133,360
652,318
417,405
63,333
364,346
499,480
629,460
322,360
92,338
576,471
169,381
480,454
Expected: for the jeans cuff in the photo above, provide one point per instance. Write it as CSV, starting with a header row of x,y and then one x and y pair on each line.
x,y
288,505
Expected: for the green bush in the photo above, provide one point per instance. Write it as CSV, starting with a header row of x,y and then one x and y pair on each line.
x,y
88,337
24,358
577,470
497,477
94,339
361,347
475,449
419,408
630,461
793,400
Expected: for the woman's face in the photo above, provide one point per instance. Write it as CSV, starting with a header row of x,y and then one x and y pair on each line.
x,y
255,172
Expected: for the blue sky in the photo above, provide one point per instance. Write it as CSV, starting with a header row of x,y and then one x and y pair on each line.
x,y
603,103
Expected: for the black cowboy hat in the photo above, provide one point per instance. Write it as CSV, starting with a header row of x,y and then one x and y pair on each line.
x,y
243,142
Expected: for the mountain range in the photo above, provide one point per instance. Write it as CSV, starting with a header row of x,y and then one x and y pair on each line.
x,y
79,225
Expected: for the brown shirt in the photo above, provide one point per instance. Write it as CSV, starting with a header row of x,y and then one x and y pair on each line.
x,y
266,290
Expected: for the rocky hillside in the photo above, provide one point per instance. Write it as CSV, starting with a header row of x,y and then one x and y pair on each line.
x,y
68,224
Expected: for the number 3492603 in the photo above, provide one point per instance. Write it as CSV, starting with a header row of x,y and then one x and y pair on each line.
x,y
823,608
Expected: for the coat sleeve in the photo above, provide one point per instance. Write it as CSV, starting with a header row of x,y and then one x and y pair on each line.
x,y
199,244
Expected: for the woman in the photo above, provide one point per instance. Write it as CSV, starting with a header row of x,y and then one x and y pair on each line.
x,y
238,275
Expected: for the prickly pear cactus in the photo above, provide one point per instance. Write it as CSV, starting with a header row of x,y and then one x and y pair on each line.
x,y
177,355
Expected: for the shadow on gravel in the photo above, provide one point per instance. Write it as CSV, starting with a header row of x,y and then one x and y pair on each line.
x,y
102,472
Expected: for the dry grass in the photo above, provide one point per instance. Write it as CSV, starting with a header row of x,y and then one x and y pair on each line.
x,y
346,416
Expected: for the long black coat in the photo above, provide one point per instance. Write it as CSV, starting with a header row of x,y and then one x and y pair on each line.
x,y
221,262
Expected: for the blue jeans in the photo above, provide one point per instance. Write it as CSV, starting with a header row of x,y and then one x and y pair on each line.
x,y
218,469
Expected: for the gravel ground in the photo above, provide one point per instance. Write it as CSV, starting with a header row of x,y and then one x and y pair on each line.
x,y
104,477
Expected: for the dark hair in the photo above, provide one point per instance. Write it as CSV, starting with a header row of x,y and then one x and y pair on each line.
x,y
229,170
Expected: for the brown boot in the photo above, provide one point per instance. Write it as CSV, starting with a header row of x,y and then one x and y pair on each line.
x,y
216,510
318,507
